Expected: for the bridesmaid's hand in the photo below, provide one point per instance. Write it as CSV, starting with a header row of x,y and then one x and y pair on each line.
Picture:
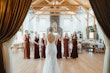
x,y
37,43
42,44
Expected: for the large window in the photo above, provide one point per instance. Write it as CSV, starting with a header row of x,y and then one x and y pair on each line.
x,y
43,26
91,35
67,26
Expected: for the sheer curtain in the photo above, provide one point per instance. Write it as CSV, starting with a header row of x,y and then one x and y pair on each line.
x,y
101,10
107,56
106,68
12,14
7,56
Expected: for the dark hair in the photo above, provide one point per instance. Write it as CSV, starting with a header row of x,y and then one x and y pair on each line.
x,y
51,29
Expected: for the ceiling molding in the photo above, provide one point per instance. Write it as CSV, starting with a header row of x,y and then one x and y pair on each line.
x,y
70,5
55,14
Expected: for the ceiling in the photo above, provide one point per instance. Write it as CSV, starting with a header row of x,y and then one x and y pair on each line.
x,y
58,6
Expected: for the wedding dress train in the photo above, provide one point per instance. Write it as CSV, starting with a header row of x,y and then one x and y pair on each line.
x,y
51,65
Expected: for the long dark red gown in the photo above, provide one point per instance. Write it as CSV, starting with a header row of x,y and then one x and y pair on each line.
x,y
36,48
74,53
66,52
59,53
26,47
43,48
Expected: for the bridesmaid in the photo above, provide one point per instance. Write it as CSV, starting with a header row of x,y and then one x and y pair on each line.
x,y
66,43
43,41
59,52
26,45
36,46
74,53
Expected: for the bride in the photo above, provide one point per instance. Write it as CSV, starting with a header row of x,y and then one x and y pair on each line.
x,y
51,65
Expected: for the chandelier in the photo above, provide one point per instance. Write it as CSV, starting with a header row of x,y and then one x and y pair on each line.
x,y
55,2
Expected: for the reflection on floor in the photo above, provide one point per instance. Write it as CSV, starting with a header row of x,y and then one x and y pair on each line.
x,y
86,63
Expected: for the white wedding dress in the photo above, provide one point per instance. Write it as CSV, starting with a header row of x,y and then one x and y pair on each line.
x,y
51,65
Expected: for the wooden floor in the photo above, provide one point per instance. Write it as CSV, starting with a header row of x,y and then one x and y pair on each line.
x,y
86,63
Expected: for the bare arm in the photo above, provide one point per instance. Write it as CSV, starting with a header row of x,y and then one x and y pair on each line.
x,y
24,37
37,43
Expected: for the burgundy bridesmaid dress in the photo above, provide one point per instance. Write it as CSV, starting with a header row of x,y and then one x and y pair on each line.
x,y
43,48
74,53
36,48
26,47
59,53
66,52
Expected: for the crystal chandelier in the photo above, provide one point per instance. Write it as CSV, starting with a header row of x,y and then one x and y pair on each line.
x,y
55,2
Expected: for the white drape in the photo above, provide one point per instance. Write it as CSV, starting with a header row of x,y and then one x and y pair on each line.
x,y
106,67
107,56
7,56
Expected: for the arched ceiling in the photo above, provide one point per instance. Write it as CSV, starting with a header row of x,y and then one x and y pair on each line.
x,y
56,6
